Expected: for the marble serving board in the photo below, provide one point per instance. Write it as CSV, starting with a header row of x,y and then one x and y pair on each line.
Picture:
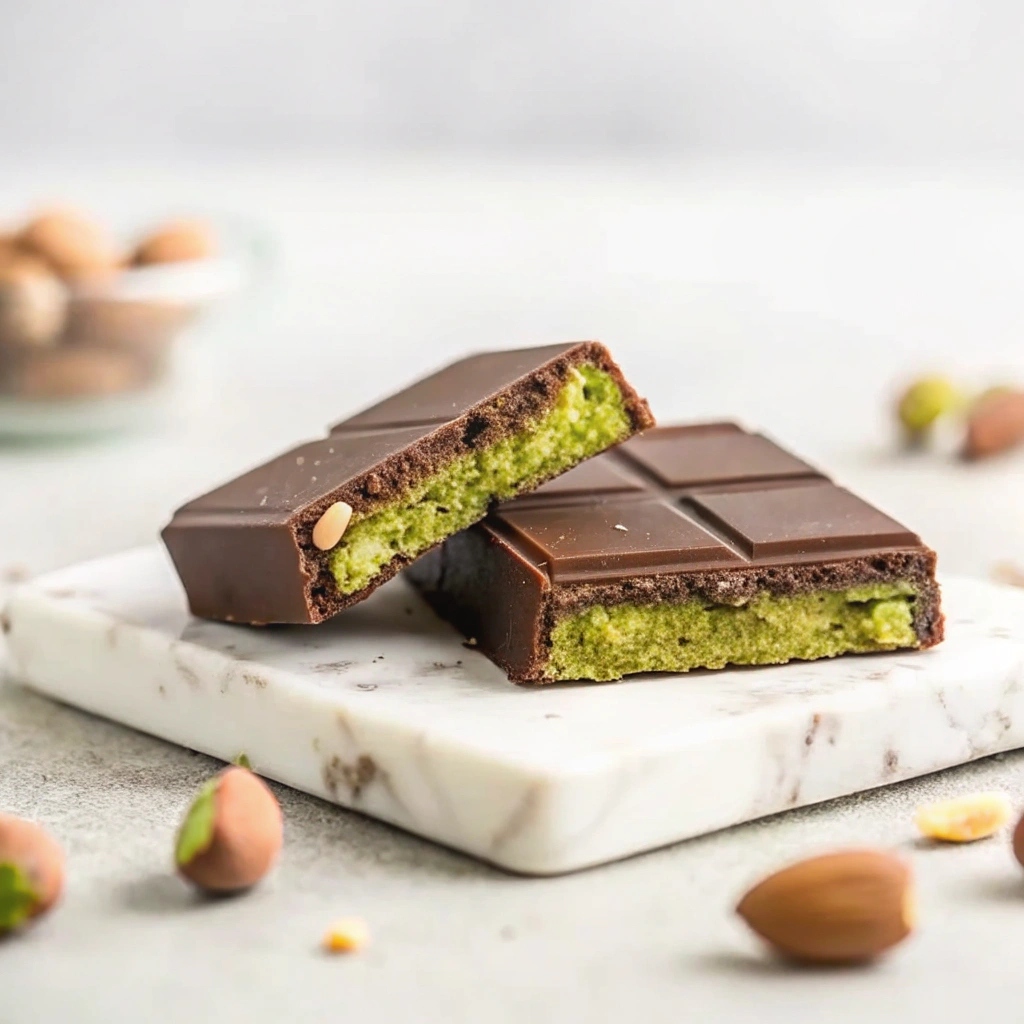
x,y
385,711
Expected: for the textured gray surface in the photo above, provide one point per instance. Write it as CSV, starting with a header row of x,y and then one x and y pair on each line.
x,y
649,939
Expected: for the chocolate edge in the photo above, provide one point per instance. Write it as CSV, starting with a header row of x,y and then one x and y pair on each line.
x,y
448,443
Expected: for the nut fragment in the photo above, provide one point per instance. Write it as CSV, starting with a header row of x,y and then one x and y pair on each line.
x,y
964,819
176,242
995,424
346,935
232,833
925,401
31,872
72,244
843,907
331,526
33,303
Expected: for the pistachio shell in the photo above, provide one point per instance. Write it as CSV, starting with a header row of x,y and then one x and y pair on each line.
x,y
31,872
232,833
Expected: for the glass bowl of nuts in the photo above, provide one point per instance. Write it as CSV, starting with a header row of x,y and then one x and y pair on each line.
x,y
89,327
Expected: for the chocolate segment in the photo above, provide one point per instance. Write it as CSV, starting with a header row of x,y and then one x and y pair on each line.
x,y
414,468
750,554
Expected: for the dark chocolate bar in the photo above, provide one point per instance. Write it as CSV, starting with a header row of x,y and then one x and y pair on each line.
x,y
318,528
688,547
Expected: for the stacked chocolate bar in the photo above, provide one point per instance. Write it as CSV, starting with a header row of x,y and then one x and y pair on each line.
x,y
530,515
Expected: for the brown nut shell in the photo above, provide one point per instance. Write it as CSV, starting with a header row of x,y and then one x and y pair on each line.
x,y
31,871
1018,842
33,303
243,838
74,246
996,424
176,242
843,907
10,251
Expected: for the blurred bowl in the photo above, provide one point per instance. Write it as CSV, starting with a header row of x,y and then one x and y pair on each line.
x,y
110,367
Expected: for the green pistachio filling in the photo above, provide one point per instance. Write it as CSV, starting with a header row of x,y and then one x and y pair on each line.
x,y
17,897
605,642
588,416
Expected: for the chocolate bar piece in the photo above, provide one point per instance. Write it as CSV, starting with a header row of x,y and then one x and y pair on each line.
x,y
688,547
318,528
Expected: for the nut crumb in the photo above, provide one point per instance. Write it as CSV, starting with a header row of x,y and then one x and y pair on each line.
x,y
300,460
964,819
263,501
1009,573
346,935
331,526
619,526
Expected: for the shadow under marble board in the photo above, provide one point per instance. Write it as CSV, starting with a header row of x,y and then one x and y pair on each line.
x,y
383,710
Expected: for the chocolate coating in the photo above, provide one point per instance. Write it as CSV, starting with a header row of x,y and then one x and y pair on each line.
x,y
244,551
706,511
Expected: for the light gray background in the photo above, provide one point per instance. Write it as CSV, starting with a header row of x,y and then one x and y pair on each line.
x,y
892,77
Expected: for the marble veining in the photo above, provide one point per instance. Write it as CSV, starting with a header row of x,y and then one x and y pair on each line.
x,y
384,710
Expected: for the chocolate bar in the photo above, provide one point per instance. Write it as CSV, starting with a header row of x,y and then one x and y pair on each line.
x,y
689,547
321,526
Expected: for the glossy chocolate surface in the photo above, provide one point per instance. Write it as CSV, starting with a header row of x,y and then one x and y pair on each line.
x,y
685,497
244,550
707,511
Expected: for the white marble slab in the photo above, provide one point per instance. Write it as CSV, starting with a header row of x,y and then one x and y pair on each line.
x,y
383,710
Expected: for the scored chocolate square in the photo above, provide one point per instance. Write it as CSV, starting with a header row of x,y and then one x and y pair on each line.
x,y
685,547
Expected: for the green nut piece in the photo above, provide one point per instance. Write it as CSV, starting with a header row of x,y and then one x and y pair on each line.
x,y
926,400
18,898
196,832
